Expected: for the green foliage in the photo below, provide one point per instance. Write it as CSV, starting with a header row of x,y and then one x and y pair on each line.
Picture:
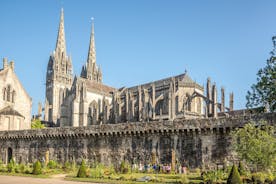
x,y
184,179
2,167
263,93
36,124
98,171
52,164
21,168
82,170
258,177
234,177
124,167
213,176
241,169
68,166
11,166
256,145
37,168
262,177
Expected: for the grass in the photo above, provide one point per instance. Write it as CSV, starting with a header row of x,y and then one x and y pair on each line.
x,y
25,175
132,178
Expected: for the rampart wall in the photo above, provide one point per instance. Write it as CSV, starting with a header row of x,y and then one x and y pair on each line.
x,y
194,143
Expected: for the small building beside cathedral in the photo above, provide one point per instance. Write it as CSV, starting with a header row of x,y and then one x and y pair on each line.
x,y
15,103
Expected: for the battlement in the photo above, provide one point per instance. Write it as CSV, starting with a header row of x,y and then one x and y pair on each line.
x,y
198,126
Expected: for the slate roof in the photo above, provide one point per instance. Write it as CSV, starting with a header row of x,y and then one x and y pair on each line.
x,y
98,87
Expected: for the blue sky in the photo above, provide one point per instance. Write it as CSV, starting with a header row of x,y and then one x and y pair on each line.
x,y
142,41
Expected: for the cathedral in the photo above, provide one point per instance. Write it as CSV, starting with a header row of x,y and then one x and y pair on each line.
x,y
84,100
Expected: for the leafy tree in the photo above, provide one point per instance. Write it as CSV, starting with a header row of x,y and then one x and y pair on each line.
x,y
36,124
256,145
234,176
82,170
263,93
37,168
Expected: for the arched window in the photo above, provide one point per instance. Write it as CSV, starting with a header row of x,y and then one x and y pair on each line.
x,y
4,93
61,96
176,104
13,96
9,93
198,105
92,114
159,107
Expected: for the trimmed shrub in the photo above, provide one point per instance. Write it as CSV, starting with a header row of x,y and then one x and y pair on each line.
x,y
67,166
234,177
184,179
21,168
241,169
124,167
213,176
82,170
52,164
37,168
98,171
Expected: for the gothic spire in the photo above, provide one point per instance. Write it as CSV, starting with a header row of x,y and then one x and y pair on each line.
x,y
61,45
92,50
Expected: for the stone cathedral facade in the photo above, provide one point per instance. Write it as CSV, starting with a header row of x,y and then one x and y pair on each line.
x,y
84,100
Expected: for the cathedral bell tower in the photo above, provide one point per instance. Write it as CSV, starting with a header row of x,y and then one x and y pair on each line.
x,y
58,77
90,70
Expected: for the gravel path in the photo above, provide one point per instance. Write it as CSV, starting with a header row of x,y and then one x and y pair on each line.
x,y
58,179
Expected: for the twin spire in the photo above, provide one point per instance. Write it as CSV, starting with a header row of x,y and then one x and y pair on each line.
x,y
90,70
61,44
92,50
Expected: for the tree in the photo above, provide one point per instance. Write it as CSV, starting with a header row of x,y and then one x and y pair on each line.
x,y
36,124
263,93
234,176
256,145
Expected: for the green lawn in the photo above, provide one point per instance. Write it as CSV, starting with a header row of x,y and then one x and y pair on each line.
x,y
133,177
25,175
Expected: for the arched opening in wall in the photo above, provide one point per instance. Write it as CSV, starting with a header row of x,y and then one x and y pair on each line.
x,y
9,155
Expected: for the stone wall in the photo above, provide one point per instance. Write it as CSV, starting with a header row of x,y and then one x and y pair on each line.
x,y
194,143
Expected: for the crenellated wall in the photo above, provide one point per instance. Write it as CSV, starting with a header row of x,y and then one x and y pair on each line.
x,y
194,143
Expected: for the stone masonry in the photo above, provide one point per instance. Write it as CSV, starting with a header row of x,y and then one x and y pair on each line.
x,y
194,142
